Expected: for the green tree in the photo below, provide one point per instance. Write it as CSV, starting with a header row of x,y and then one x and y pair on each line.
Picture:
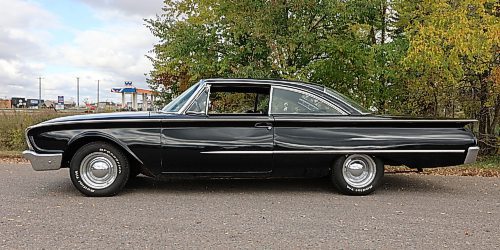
x,y
452,54
335,43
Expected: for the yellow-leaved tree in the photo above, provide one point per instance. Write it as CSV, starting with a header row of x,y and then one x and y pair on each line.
x,y
452,61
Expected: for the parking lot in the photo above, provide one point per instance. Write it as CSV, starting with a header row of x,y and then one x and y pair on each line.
x,y
44,210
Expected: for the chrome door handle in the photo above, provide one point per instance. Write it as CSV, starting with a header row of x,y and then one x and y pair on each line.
x,y
267,125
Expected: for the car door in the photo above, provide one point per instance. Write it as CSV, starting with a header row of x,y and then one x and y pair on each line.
x,y
217,135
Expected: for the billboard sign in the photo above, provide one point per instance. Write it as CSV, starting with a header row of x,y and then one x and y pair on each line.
x,y
18,102
33,103
60,99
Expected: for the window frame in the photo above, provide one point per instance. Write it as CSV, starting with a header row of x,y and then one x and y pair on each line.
x,y
209,87
341,111
200,92
188,102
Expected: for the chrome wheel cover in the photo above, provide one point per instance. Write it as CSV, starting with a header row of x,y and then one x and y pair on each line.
x,y
359,170
98,170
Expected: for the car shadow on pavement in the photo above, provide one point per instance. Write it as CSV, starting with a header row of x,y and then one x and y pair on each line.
x,y
413,183
146,184
390,183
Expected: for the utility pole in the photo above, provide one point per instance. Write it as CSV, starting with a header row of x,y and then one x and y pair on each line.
x,y
39,92
78,93
97,107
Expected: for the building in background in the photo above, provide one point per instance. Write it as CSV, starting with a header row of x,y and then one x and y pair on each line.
x,y
129,89
5,104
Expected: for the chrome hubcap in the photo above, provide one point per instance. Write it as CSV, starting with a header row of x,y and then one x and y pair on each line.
x,y
98,170
359,170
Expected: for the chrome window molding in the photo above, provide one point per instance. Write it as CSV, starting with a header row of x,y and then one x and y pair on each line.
x,y
205,87
345,103
191,98
274,84
282,83
270,100
209,86
305,92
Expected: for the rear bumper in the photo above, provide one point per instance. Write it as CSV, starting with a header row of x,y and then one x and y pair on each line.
x,y
42,162
471,155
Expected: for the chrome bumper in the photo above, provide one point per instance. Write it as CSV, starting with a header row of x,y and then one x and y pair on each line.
x,y
471,155
42,162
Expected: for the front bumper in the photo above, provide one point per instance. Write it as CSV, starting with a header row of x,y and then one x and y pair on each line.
x,y
42,162
471,155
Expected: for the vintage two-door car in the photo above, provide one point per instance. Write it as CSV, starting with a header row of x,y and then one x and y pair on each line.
x,y
244,128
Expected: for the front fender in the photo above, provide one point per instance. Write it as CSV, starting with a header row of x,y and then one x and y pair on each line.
x,y
78,140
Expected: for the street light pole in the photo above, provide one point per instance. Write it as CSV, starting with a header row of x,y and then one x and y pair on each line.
x,y
39,92
97,107
78,93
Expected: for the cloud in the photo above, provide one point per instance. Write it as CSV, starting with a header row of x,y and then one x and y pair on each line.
x,y
22,48
112,50
24,14
119,50
146,8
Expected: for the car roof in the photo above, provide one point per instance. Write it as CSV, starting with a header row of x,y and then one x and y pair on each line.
x,y
318,89
266,81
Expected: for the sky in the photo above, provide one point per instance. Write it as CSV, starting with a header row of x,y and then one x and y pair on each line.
x,y
60,40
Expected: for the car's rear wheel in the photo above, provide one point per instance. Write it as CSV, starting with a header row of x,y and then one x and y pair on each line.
x,y
357,174
99,169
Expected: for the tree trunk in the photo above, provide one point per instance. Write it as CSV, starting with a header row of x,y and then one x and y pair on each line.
x,y
384,21
483,115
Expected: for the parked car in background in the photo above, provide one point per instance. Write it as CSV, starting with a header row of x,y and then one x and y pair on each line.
x,y
246,128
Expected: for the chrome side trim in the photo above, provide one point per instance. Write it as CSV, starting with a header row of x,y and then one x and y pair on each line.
x,y
42,162
250,172
341,151
471,155
339,120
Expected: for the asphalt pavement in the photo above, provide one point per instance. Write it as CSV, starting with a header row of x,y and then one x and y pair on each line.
x,y
44,210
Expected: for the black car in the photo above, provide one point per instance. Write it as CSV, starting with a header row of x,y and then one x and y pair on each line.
x,y
246,128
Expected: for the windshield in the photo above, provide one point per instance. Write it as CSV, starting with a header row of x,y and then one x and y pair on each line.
x,y
176,104
347,100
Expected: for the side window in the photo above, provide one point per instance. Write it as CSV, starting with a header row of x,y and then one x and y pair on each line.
x,y
246,101
290,102
199,105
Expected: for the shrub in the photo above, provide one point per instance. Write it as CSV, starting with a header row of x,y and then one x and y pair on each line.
x,y
13,123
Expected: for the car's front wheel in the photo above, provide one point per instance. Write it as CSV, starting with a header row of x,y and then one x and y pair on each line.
x,y
99,169
357,174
